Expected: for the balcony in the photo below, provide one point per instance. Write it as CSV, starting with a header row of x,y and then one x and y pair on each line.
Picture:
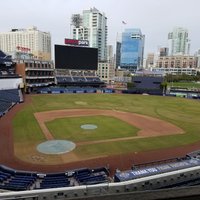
x,y
39,77
38,69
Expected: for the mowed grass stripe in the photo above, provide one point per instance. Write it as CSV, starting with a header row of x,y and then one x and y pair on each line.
x,y
107,128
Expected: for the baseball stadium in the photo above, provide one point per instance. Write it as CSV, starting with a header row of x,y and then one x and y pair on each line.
x,y
89,144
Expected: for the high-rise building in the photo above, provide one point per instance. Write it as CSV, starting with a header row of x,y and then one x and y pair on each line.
x,y
179,43
197,54
110,56
30,40
91,26
118,54
132,49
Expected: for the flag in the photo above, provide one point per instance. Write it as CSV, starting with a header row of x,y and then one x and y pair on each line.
x,y
123,22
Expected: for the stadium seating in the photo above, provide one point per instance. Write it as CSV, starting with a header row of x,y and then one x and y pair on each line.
x,y
63,79
4,107
93,79
23,180
58,90
11,95
16,180
90,177
80,78
8,98
54,181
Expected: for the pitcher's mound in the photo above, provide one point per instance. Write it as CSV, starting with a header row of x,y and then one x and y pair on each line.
x,y
88,126
56,147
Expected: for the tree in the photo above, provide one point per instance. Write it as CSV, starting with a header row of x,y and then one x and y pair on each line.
x,y
130,85
163,86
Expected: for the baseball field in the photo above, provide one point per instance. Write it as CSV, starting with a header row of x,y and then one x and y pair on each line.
x,y
128,129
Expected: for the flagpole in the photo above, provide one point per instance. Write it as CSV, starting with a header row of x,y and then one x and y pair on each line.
x,y
123,23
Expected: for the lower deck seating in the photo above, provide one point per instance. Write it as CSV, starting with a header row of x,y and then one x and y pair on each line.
x,y
11,95
55,181
8,98
16,180
89,177
4,107
21,180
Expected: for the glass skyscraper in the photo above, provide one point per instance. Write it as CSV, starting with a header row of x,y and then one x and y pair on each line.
x,y
132,49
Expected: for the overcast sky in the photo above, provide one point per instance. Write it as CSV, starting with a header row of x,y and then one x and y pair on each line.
x,y
155,18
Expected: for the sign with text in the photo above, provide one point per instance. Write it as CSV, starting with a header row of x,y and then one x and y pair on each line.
x,y
76,42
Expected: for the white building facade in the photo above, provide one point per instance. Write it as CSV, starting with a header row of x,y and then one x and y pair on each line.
x,y
91,26
179,43
30,40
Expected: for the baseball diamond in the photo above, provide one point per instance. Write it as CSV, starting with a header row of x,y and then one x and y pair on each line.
x,y
156,132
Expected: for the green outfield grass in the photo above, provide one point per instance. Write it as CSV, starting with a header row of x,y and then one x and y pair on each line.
x,y
107,128
189,85
182,112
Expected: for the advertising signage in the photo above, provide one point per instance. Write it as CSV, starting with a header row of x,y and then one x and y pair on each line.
x,y
76,42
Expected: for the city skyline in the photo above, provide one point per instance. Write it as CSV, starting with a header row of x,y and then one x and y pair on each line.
x,y
155,18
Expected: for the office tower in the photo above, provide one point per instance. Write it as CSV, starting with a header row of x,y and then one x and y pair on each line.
x,y
132,49
91,26
28,40
179,43
110,56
